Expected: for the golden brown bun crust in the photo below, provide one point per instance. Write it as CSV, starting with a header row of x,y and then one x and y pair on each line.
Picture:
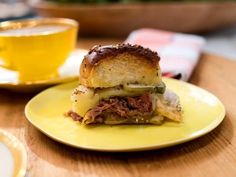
x,y
109,66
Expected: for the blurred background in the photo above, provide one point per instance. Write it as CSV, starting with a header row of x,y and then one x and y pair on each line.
x,y
213,19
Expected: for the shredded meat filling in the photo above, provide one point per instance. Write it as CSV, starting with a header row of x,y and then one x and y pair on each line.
x,y
74,116
123,106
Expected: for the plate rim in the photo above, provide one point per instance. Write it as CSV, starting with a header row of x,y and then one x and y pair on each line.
x,y
8,140
54,80
193,136
27,87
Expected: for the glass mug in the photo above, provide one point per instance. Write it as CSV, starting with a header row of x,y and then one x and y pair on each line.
x,y
36,48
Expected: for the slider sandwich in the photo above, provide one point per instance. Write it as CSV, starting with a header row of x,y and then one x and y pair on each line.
x,y
122,84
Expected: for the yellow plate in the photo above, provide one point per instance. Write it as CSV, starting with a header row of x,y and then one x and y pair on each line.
x,y
13,156
202,113
68,72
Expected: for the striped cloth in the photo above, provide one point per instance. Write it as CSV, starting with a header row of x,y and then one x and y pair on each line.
x,y
179,52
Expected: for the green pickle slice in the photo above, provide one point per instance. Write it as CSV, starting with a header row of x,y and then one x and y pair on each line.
x,y
143,88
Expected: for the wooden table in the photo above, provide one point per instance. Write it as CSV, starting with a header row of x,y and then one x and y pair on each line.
x,y
211,155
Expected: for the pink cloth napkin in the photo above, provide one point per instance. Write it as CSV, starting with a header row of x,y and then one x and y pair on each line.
x,y
179,52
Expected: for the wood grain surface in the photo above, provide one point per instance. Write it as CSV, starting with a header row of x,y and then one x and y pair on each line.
x,y
213,155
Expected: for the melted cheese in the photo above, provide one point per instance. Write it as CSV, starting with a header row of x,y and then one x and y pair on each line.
x,y
168,105
85,98
165,105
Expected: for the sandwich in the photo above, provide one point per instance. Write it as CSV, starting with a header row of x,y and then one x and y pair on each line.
x,y
122,84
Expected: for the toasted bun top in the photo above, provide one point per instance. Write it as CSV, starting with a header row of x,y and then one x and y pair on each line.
x,y
109,66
